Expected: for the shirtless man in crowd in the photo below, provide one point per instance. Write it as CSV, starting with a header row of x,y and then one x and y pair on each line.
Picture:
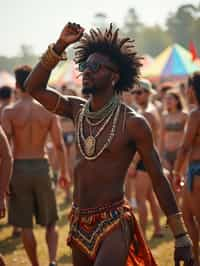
x,y
143,184
27,124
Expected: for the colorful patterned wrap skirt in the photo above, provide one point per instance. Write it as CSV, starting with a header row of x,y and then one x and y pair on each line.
x,y
89,227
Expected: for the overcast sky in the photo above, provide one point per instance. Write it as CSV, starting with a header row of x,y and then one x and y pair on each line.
x,y
39,22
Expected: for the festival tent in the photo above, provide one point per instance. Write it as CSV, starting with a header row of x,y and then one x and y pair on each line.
x,y
146,62
174,62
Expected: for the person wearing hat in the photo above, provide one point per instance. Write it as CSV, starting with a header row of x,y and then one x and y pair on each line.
x,y
143,186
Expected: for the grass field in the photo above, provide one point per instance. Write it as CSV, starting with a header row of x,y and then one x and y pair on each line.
x,y
14,253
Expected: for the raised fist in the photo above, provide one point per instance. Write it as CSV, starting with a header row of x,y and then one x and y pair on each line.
x,y
71,33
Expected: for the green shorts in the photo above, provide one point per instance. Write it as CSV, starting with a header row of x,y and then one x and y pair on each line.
x,y
31,194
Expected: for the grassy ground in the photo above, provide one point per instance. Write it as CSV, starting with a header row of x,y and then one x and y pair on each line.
x,y
14,254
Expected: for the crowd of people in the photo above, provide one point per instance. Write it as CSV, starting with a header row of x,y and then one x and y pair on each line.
x,y
116,153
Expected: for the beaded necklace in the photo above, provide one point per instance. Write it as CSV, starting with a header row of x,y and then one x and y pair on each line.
x,y
88,151
104,111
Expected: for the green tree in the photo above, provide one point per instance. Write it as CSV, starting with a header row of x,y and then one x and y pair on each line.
x,y
181,24
132,25
26,56
152,40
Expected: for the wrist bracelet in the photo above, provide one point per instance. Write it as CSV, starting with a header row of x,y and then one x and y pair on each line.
x,y
50,58
63,56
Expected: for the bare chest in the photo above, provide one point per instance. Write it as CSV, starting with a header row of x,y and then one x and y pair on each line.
x,y
104,143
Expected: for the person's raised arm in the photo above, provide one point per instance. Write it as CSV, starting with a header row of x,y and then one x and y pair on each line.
x,y
36,83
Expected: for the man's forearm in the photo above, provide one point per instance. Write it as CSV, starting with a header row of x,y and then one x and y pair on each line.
x,y
160,183
165,195
59,47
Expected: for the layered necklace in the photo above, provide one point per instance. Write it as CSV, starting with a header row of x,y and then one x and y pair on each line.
x,y
87,145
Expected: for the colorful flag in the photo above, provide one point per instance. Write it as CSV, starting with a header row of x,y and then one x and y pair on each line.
x,y
193,50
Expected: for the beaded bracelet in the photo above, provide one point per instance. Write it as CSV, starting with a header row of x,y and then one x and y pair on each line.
x,y
50,58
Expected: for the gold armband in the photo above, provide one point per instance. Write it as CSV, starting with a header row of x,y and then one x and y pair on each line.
x,y
50,58
176,223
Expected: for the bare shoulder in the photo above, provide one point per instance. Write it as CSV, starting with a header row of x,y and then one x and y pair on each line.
x,y
13,109
195,114
137,125
9,111
149,116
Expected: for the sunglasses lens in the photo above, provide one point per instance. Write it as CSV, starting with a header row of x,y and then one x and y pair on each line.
x,y
82,66
94,66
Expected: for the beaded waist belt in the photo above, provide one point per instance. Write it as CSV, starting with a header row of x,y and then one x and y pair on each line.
x,y
88,227
92,211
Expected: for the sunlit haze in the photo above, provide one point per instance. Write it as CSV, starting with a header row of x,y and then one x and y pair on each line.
x,y
38,22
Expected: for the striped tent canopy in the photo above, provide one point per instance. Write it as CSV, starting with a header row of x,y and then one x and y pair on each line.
x,y
146,62
174,61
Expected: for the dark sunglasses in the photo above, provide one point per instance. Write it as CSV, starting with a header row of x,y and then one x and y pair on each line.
x,y
94,66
